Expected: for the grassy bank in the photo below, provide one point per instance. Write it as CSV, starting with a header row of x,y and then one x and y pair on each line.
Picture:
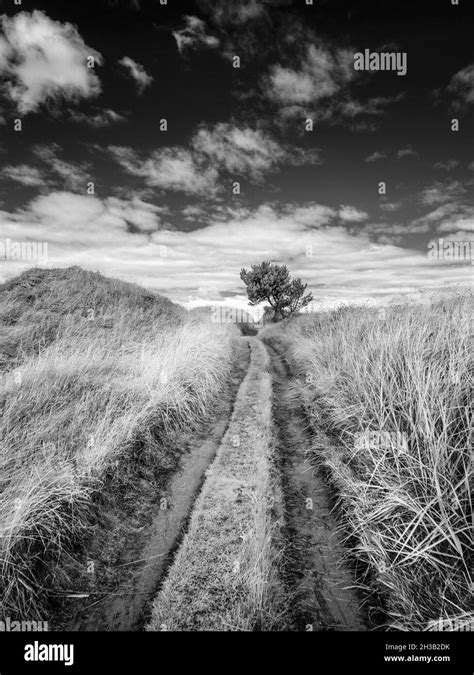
x,y
96,374
223,577
391,389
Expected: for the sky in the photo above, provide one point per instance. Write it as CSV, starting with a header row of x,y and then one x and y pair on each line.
x,y
173,143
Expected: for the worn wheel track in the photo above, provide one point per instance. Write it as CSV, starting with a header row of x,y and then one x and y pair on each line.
x,y
319,584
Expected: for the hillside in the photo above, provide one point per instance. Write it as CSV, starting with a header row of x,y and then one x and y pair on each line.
x,y
42,305
99,377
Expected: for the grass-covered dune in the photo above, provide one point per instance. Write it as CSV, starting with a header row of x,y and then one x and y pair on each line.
x,y
388,395
96,377
42,305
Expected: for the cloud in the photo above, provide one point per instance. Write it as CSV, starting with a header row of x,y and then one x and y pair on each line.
x,y
208,293
238,150
312,215
229,13
26,175
140,216
451,216
439,193
375,156
103,118
67,220
462,87
73,175
448,165
246,151
137,72
52,172
44,61
174,169
394,232
439,213
351,214
465,223
407,152
212,151
193,212
338,265
399,154
390,206
319,75
316,82
193,35
373,106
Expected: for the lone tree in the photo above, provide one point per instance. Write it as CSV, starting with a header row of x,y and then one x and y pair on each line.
x,y
273,283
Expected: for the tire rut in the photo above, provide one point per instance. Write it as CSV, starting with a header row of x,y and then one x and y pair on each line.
x,y
318,583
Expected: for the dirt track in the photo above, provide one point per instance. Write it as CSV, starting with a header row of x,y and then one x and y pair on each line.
x,y
313,571
319,588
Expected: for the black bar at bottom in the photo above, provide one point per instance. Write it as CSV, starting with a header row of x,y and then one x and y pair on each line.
x,y
326,652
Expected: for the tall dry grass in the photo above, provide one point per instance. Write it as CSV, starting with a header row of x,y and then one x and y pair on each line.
x,y
392,388
100,391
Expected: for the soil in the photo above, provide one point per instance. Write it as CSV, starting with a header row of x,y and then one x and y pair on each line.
x,y
317,579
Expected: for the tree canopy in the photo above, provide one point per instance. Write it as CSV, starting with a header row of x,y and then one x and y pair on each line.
x,y
272,283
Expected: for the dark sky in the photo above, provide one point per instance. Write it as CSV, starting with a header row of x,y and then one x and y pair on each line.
x,y
163,210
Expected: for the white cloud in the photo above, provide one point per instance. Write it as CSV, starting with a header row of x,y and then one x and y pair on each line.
x,y
194,35
375,156
407,152
399,154
462,222
390,206
196,169
312,215
317,83
246,151
390,232
137,72
73,176
143,216
320,74
439,193
351,214
439,213
373,106
53,171
44,61
450,216
228,13
72,222
337,265
29,176
238,150
172,169
448,165
462,86
100,119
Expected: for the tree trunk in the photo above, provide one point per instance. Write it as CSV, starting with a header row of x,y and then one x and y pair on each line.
x,y
277,316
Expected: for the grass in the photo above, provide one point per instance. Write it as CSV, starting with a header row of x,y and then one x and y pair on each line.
x,y
224,575
95,373
392,391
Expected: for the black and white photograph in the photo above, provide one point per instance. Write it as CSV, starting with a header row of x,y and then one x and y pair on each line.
x,y
236,268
